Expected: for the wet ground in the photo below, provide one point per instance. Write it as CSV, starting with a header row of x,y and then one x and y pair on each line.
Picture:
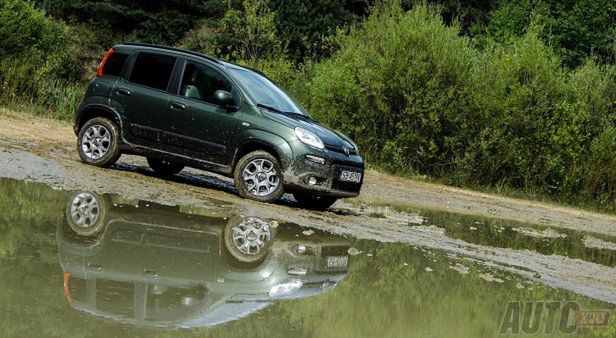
x,y
79,263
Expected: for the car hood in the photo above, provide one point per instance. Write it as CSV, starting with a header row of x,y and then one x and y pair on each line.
x,y
330,137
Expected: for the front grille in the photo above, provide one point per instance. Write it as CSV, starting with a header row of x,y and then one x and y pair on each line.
x,y
341,150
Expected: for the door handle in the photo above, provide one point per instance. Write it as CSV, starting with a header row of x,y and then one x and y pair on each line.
x,y
94,267
178,105
123,92
150,273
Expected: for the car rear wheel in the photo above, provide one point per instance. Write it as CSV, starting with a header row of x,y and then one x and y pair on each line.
x,y
86,213
164,167
97,142
314,202
258,176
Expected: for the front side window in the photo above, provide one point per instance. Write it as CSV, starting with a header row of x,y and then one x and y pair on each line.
x,y
200,82
152,70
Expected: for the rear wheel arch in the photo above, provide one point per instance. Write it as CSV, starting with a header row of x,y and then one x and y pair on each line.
x,y
94,111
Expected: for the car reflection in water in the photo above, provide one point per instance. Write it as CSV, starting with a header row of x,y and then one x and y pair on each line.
x,y
158,266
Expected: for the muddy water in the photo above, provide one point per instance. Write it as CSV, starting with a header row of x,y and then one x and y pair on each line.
x,y
75,263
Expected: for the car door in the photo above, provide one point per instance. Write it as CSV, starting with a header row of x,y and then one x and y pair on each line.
x,y
211,128
145,97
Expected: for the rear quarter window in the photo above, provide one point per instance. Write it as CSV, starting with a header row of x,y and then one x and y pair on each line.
x,y
114,64
152,70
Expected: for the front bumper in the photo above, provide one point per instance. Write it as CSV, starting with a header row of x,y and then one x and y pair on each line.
x,y
300,169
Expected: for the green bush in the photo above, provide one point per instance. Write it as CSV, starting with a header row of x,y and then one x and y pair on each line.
x,y
400,86
150,21
419,98
575,28
37,64
597,172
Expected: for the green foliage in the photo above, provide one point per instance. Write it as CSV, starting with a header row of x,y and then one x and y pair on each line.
x,y
303,25
149,21
398,90
598,174
248,32
576,28
37,62
419,98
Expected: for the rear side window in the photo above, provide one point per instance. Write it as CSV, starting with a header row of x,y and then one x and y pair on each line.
x,y
152,70
114,64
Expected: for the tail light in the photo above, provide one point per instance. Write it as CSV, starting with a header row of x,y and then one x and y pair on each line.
x,y
102,65
67,291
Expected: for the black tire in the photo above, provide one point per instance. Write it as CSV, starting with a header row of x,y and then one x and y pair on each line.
x,y
246,190
309,201
112,149
257,253
164,167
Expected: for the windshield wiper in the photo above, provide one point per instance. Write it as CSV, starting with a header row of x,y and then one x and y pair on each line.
x,y
261,105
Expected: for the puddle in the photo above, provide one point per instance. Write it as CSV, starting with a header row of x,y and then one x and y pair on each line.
x,y
82,264
594,248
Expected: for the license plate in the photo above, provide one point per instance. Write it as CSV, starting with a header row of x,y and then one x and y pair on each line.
x,y
337,261
350,176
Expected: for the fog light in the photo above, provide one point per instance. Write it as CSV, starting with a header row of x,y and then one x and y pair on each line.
x,y
301,249
187,301
315,159
312,180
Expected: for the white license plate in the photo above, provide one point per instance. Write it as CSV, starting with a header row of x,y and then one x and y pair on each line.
x,y
350,176
337,261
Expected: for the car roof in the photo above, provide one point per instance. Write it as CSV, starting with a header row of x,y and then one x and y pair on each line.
x,y
172,49
191,53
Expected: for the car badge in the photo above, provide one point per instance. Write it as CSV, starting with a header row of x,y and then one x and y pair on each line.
x,y
346,151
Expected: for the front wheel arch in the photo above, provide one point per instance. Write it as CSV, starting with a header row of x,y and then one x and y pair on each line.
x,y
256,141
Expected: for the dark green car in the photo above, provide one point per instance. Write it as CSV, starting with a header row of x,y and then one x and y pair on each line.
x,y
180,108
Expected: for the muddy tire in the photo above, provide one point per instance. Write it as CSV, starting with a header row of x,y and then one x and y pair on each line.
x,y
309,201
86,213
247,240
258,176
164,167
98,142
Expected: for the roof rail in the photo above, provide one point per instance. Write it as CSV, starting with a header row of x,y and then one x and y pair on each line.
x,y
175,50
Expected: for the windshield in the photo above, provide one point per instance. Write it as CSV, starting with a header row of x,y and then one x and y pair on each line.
x,y
265,93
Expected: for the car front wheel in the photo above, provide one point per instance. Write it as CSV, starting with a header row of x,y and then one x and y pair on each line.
x,y
258,176
309,201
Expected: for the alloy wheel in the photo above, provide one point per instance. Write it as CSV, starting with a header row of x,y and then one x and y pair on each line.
x,y
260,177
96,141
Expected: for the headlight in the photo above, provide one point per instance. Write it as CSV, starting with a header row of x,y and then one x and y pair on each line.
x,y
285,288
309,138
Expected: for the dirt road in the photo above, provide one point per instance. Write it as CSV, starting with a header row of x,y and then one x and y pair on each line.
x,y
42,150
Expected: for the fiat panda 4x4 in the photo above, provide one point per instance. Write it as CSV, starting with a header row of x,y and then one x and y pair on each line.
x,y
180,108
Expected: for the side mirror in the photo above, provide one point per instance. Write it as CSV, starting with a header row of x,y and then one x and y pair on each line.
x,y
225,99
